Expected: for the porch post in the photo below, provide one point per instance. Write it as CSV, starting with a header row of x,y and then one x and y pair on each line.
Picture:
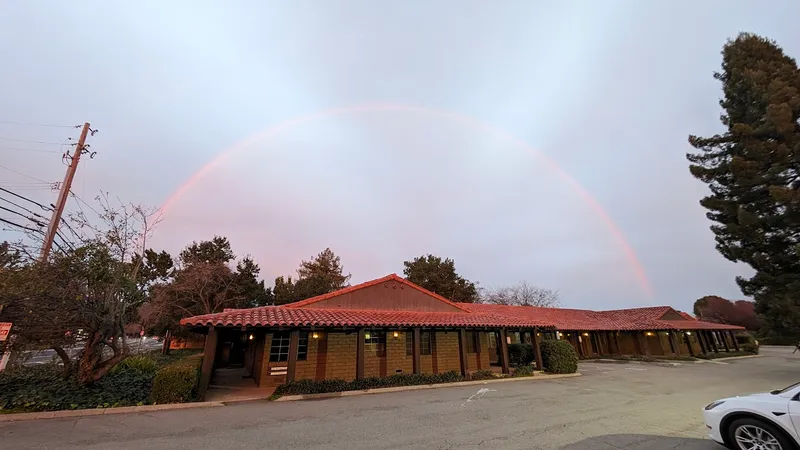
x,y
415,352
735,342
703,344
724,340
645,344
504,351
462,350
207,367
615,334
537,349
710,334
675,342
688,341
294,343
360,354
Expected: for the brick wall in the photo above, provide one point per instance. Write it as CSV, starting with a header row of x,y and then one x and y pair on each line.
x,y
447,353
627,344
479,361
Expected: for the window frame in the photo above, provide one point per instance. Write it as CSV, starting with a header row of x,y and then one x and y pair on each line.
x,y
422,347
376,342
280,353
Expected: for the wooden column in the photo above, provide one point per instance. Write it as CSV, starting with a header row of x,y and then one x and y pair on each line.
x,y
504,363
735,342
462,350
688,341
675,342
360,354
711,338
645,344
537,349
207,366
291,367
616,343
703,347
724,340
416,350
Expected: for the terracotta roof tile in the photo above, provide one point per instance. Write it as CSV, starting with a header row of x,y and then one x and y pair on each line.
x,y
467,315
281,316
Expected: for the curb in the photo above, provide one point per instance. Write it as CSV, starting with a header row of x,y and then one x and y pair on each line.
x,y
662,363
293,398
104,411
730,358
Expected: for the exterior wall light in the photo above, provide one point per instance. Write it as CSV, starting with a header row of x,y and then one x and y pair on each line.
x,y
688,333
395,335
367,335
315,335
586,334
649,333
251,337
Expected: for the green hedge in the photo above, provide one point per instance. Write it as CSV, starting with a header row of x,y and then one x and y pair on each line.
x,y
559,357
44,388
723,355
177,382
751,348
523,371
305,387
520,354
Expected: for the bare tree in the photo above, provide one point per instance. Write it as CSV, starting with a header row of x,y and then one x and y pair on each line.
x,y
521,294
85,292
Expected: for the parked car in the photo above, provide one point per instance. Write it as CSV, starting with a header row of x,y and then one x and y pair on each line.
x,y
756,422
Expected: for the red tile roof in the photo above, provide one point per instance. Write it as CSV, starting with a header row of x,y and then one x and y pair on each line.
x,y
467,316
390,277
282,316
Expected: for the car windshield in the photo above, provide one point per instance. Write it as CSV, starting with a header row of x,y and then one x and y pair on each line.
x,y
787,388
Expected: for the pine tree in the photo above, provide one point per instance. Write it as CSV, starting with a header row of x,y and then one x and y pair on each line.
x,y
439,275
753,171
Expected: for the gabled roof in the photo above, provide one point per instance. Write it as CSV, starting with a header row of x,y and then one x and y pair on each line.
x,y
463,315
390,277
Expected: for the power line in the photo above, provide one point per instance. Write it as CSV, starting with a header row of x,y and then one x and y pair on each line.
x,y
46,208
23,208
82,201
20,226
35,150
24,175
22,215
30,124
28,140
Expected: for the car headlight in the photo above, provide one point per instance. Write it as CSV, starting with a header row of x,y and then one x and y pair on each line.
x,y
713,405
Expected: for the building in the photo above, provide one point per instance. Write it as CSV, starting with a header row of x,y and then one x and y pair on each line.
x,y
390,325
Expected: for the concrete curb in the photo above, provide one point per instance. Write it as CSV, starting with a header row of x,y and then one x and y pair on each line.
x,y
662,363
104,411
293,398
731,358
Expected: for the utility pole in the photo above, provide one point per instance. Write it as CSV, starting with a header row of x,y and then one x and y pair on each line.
x,y
63,194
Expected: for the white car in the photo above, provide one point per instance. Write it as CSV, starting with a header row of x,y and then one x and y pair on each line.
x,y
756,422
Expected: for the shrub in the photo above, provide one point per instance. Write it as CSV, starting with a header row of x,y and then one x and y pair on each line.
x,y
306,387
520,354
482,375
723,355
750,347
44,388
177,382
523,371
142,363
559,357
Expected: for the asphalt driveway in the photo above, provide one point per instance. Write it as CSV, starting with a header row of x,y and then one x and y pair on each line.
x,y
612,406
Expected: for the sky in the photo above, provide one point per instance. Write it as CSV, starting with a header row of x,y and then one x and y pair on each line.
x,y
525,140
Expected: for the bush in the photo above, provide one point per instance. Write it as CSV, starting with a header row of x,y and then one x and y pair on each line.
x,y
177,382
523,371
482,375
751,348
44,388
306,387
723,355
559,357
520,354
142,363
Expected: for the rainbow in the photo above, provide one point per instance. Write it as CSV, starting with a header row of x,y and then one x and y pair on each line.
x,y
275,129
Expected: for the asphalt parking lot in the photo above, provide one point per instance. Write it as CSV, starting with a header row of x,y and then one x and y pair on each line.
x,y
612,406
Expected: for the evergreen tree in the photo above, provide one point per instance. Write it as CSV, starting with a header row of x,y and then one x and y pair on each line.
x,y
440,276
321,275
753,171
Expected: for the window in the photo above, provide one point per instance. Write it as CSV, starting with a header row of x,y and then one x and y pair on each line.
x,y
302,346
473,342
279,351
425,343
375,342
